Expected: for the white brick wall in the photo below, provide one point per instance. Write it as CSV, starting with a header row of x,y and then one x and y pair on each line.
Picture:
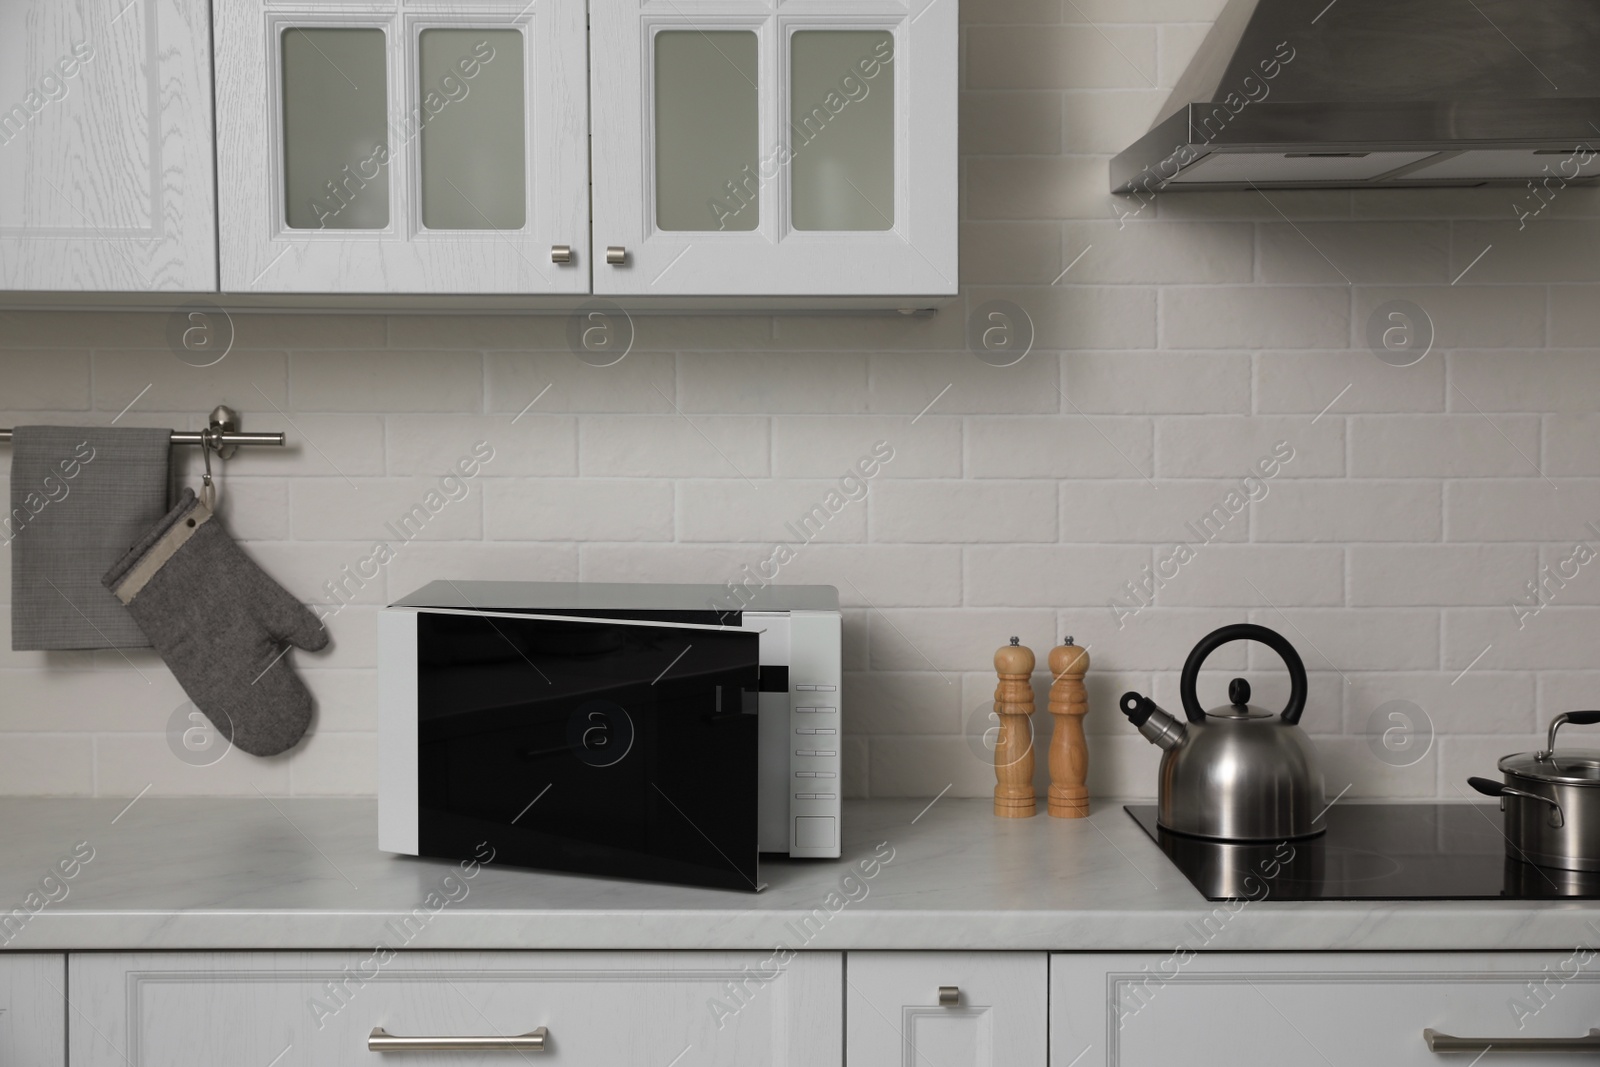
x,y
1180,347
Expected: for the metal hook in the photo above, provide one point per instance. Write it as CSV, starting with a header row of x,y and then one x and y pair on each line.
x,y
210,440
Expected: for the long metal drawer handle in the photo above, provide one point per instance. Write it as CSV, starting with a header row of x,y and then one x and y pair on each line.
x,y
1438,1042
383,1041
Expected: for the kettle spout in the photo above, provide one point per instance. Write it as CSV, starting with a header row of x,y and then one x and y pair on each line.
x,y
1157,726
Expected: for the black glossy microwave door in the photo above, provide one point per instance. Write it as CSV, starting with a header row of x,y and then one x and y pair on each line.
x,y
596,747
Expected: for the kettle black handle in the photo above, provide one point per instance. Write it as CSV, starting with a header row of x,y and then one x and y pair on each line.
x,y
1244,631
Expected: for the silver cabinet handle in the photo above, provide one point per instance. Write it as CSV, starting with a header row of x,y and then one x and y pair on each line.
x,y
616,255
383,1041
1438,1042
949,996
561,253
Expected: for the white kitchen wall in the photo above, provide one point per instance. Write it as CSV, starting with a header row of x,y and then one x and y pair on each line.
x,y
1181,347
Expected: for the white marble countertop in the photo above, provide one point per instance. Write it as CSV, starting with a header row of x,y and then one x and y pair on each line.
x,y
307,874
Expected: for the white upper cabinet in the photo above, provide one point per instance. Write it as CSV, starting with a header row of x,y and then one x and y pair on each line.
x,y
416,148
105,146
774,147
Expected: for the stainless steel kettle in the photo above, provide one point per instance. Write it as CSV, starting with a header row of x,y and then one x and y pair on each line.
x,y
1235,773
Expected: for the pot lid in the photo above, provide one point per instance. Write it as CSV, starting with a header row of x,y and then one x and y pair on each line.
x,y
1575,766
1239,712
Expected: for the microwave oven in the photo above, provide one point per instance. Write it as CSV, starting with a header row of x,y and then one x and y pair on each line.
x,y
661,732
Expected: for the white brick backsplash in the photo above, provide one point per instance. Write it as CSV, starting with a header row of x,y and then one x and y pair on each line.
x,y
1148,251
1422,575
419,562
1329,639
1465,316
961,383
1355,253
561,382
1571,446
1222,575
902,702
1344,383
1496,702
764,512
673,446
1174,340
245,380
1443,446
1558,638
47,765
431,445
1061,57
126,764
331,509
1050,575
919,511
1276,316
1521,509
386,381
1059,446
46,380
1349,511
822,382
1524,381
824,446
1234,446
569,509
1150,511
335,764
1179,383
1351,761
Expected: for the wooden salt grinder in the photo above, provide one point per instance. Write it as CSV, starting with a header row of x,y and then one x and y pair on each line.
x,y
1069,751
1013,754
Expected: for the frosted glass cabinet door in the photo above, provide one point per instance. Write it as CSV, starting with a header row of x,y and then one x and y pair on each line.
x,y
375,147
748,147
105,146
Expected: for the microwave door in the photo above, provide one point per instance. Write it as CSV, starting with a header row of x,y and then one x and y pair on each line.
x,y
593,746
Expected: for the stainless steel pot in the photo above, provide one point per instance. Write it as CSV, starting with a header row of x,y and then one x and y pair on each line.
x,y
1551,802
1235,773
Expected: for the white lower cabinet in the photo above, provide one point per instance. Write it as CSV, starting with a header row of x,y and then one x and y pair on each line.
x,y
996,1016
1270,1009
33,1010
600,1009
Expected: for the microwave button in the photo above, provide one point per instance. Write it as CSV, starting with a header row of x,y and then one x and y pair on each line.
x,y
829,732
805,774
824,796
822,774
805,711
805,752
805,730
823,752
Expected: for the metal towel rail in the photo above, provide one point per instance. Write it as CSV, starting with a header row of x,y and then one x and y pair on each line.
x,y
221,436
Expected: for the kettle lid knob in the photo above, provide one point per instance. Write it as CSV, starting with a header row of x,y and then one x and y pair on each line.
x,y
1239,692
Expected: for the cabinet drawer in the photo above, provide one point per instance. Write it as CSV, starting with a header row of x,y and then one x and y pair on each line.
x,y
319,1009
998,1018
33,1010
1265,1010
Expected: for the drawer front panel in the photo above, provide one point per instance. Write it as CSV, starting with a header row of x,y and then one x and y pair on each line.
x,y
319,1009
33,1010
995,1018
1265,1010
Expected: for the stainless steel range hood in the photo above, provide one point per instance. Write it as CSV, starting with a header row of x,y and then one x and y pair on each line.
x,y
1380,93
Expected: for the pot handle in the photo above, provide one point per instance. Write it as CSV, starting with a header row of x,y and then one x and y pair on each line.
x,y
1576,718
1244,631
1491,788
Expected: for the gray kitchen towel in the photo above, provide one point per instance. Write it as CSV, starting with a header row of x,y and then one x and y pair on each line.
x,y
80,496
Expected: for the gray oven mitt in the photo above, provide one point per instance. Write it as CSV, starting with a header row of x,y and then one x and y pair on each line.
x,y
222,625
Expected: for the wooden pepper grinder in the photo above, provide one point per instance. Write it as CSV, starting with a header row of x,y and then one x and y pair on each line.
x,y
1013,754
1069,751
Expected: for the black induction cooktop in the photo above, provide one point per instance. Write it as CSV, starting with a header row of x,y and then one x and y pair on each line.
x,y
1372,852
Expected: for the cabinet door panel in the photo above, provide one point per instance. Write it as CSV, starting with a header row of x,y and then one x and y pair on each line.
x,y
33,1010
1265,1010
372,147
318,1009
894,1018
850,184
105,146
